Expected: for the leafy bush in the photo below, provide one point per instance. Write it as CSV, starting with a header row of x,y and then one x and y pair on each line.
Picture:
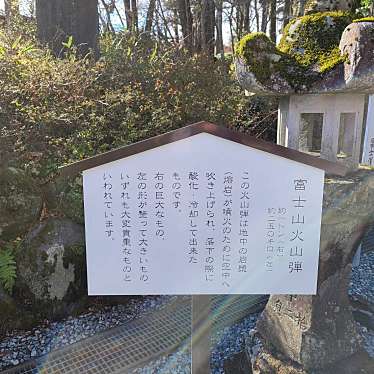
x,y
53,111
7,269
366,8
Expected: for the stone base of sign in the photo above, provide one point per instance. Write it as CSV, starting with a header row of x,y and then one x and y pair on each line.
x,y
271,363
313,331
268,363
316,332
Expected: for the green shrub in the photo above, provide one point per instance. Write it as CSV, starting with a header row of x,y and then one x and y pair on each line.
x,y
54,111
7,269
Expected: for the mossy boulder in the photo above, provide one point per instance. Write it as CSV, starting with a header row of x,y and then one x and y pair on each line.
x,y
20,202
260,54
357,42
263,65
313,40
308,50
51,280
318,53
64,197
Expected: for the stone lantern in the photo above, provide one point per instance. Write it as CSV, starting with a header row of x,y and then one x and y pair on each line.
x,y
322,81
322,71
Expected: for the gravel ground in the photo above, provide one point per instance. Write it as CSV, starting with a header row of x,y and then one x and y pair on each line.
x,y
20,348
227,342
176,363
230,341
362,282
368,336
361,288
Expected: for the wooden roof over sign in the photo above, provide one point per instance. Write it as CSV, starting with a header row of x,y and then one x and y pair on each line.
x,y
197,128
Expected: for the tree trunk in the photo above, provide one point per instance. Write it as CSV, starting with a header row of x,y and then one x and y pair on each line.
x,y
196,29
57,20
134,12
273,20
175,25
247,12
219,23
127,6
108,22
239,21
230,18
166,32
119,15
301,7
257,16
150,15
265,13
286,13
185,16
207,27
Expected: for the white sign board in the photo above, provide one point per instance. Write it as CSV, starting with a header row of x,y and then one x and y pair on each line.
x,y
368,152
203,215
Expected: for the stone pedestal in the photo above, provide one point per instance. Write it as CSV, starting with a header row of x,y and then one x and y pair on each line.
x,y
268,363
341,117
313,331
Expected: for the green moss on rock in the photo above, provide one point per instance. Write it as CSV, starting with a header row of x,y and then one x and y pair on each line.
x,y
365,19
51,267
328,61
268,64
313,40
264,60
308,49
64,197
20,202
259,54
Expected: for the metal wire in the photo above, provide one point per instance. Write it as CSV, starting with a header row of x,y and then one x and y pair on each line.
x,y
140,341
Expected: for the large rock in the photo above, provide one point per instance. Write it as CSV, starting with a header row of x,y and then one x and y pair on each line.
x,y
316,331
65,196
12,316
275,84
7,311
51,269
20,202
318,53
357,42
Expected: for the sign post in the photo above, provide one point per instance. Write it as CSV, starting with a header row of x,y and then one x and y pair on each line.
x,y
202,210
201,334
